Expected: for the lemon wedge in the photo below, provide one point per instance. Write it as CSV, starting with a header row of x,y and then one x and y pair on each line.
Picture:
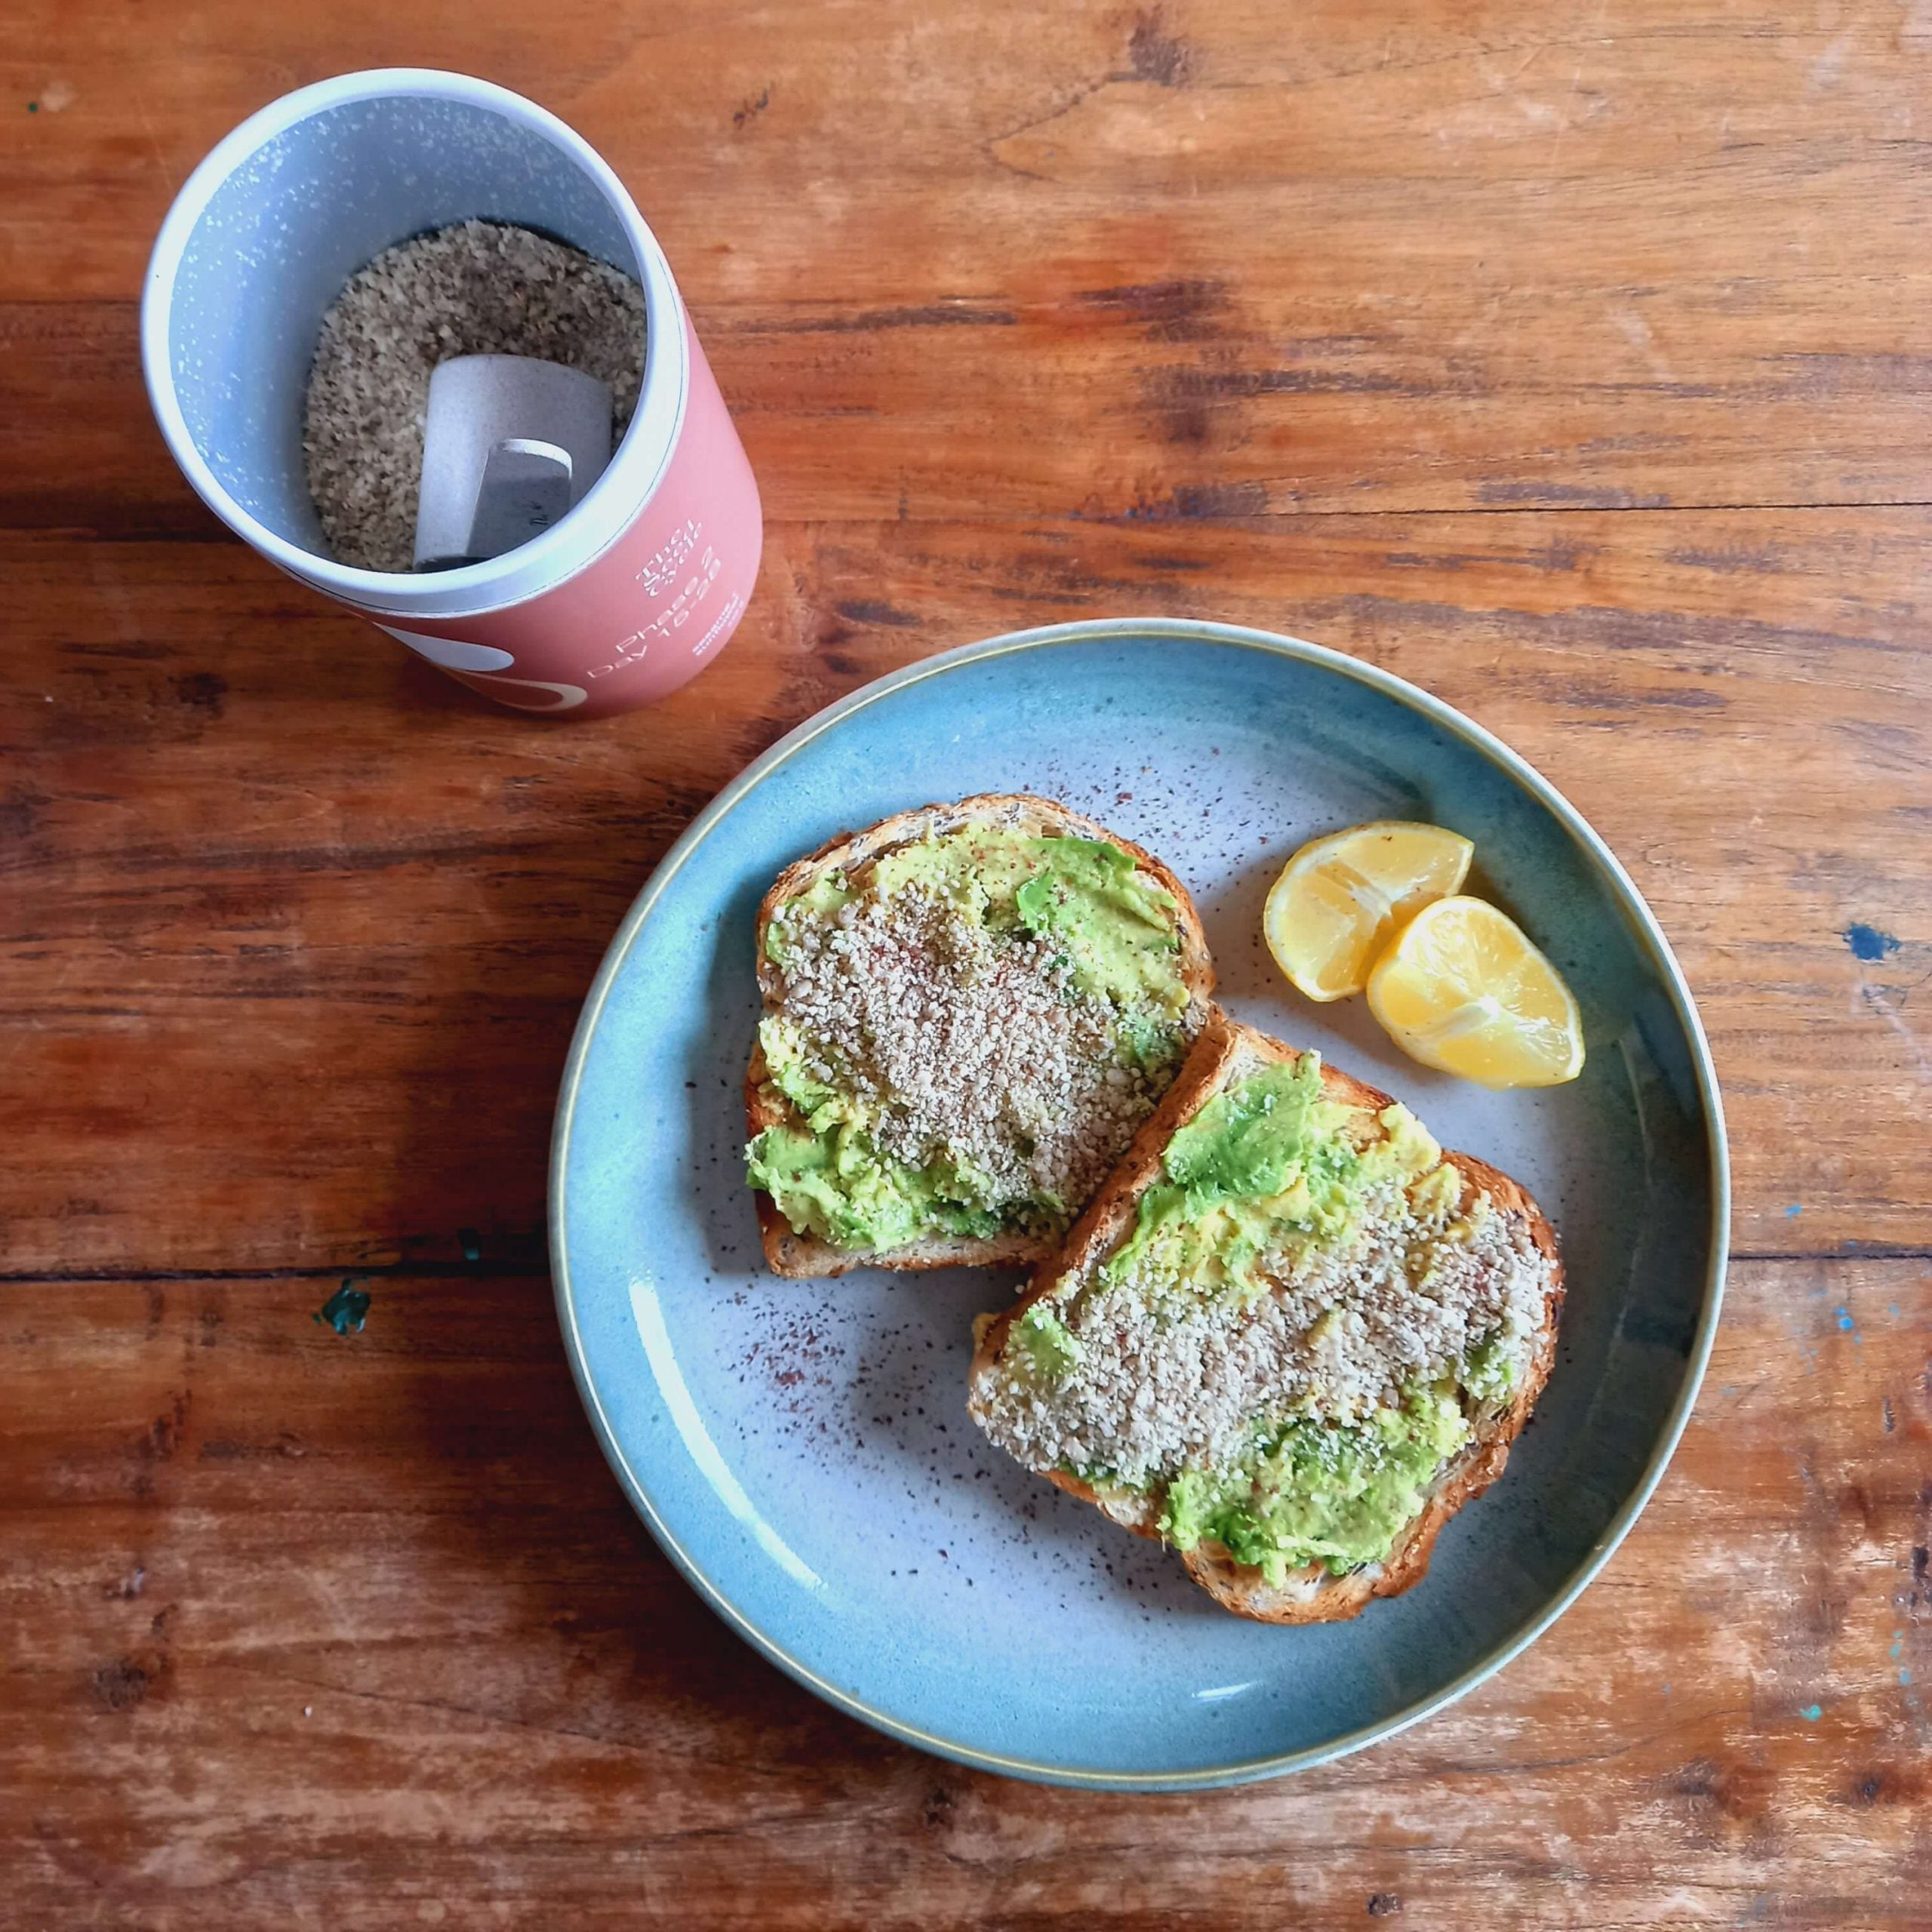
x,y
1342,898
1463,988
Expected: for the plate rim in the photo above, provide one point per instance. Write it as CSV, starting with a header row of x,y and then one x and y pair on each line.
x,y
1635,909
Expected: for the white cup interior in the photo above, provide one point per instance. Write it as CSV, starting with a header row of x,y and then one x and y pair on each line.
x,y
294,218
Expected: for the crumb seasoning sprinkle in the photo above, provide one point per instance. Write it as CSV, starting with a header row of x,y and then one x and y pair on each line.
x,y
479,288
1161,1382
972,1047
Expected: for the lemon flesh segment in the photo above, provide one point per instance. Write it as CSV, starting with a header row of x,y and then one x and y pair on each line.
x,y
1464,988
1342,896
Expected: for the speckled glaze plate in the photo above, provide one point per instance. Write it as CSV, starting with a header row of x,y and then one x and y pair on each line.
x,y
802,1449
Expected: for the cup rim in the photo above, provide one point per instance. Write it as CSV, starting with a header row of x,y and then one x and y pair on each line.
x,y
607,508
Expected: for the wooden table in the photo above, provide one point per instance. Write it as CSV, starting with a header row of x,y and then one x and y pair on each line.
x,y
1571,359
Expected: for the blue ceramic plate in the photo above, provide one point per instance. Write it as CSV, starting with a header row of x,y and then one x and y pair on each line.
x,y
802,1449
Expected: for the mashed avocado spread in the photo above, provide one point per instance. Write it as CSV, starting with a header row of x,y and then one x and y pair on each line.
x,y
1311,1494
1105,934
834,1182
1269,1164
1116,925
1271,1167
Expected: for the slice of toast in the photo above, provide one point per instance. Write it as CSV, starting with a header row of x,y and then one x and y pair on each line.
x,y
790,1251
1225,1055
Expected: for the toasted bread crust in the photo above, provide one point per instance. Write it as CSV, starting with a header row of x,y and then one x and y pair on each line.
x,y
1311,1595
805,1255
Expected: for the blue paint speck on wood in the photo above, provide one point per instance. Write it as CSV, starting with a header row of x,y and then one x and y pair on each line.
x,y
1868,942
1812,1713
1845,1318
346,1310
1905,1675
1796,1208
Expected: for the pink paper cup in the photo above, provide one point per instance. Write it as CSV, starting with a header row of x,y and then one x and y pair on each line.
x,y
623,600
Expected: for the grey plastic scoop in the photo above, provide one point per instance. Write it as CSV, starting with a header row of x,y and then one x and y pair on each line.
x,y
511,442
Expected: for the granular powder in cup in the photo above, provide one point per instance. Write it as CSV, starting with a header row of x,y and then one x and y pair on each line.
x,y
479,288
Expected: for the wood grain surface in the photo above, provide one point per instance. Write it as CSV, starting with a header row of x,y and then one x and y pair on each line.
x,y
304,1630
1569,358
